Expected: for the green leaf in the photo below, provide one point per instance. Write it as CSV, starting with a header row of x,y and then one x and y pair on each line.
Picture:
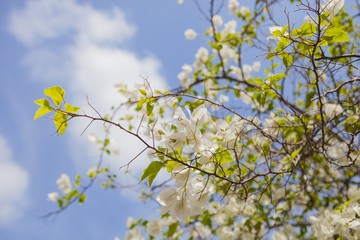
x,y
142,92
287,59
338,34
284,42
309,97
223,157
285,28
106,142
44,109
71,109
307,29
151,171
170,165
172,229
140,104
276,33
72,194
60,122
149,108
60,203
82,198
276,77
270,56
56,94
295,153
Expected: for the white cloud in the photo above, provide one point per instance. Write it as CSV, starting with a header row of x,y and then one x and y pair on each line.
x,y
82,49
50,19
14,181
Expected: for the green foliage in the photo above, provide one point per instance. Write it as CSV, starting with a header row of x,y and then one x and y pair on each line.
x,y
61,113
44,108
151,171
56,94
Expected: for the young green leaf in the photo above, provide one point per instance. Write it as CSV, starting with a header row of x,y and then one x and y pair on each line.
x,y
44,108
56,94
295,153
276,77
71,109
60,122
151,171
338,34
82,198
149,108
142,92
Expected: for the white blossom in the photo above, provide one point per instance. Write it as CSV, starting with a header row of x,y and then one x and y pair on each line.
x,y
130,222
256,66
223,98
181,175
355,224
332,110
53,196
203,231
214,207
236,71
154,227
337,150
247,68
207,149
93,138
177,203
233,6
279,236
134,234
201,57
221,218
331,222
187,201
229,28
64,183
272,29
190,34
227,53
184,75
180,1
322,75
217,20
244,10
225,233
354,194
333,7
187,68
184,79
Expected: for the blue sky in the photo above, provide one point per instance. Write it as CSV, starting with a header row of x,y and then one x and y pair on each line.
x,y
86,47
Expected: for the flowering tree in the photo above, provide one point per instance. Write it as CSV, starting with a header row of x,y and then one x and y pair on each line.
x,y
254,148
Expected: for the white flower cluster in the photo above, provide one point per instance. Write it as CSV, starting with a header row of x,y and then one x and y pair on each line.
x,y
233,7
344,222
153,227
64,184
192,191
186,201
